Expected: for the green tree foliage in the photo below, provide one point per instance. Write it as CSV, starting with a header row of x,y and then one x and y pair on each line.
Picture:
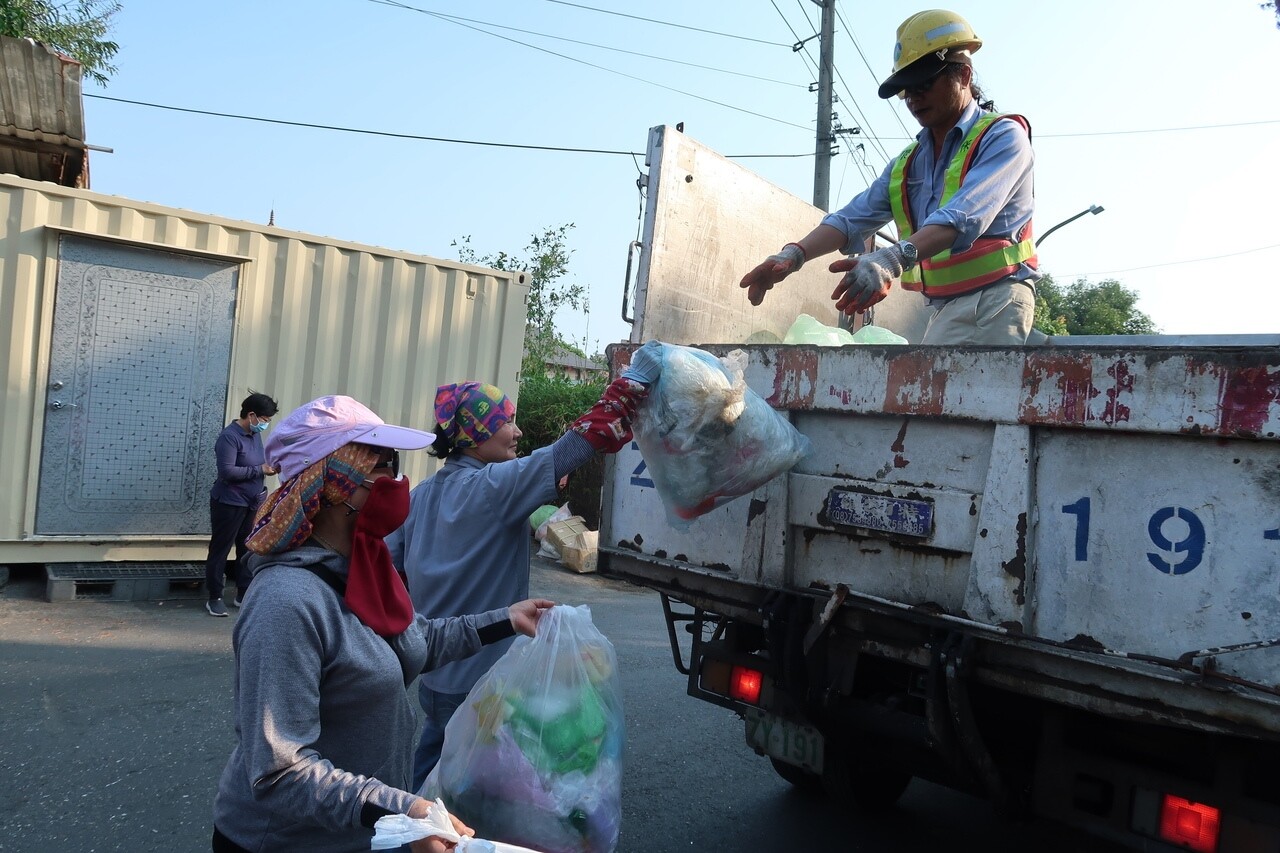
x,y
1082,308
546,259
76,28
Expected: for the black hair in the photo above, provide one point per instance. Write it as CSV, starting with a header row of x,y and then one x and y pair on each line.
x,y
260,404
953,69
442,447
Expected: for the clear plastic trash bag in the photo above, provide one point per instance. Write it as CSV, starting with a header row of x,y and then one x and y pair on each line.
x,y
534,755
706,437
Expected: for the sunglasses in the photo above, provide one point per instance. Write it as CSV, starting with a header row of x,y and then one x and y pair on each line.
x,y
922,87
389,459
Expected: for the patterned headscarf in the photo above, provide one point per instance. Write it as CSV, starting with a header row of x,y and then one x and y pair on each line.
x,y
469,413
283,521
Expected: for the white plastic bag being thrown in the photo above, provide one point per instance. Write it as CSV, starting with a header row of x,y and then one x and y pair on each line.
x,y
392,831
706,437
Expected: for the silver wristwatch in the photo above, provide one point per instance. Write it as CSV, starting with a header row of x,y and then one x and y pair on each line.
x,y
910,256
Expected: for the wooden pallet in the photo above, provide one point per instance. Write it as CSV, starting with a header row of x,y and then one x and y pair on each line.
x,y
123,581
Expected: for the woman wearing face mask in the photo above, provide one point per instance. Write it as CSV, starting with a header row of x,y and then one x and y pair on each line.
x,y
236,496
329,641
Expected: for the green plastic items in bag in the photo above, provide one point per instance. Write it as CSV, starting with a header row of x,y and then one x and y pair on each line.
x,y
877,335
560,734
807,330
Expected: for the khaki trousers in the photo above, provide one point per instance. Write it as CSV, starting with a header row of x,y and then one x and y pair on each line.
x,y
1000,313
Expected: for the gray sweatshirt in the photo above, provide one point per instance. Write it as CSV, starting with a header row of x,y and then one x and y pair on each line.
x,y
323,721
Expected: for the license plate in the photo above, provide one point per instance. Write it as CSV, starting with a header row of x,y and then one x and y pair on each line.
x,y
903,516
794,743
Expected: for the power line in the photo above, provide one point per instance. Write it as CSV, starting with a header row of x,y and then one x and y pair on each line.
x,y
848,30
1041,136
414,136
859,114
411,136
667,23
1159,129
458,22
1175,263
399,5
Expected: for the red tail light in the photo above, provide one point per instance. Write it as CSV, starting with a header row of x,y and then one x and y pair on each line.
x,y
744,684
1192,825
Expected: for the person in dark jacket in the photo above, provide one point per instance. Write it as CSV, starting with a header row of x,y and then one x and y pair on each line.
x,y
236,496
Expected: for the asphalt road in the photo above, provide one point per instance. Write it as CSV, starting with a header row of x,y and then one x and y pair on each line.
x,y
115,723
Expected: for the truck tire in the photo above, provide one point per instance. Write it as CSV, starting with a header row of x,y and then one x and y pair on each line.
x,y
868,783
805,782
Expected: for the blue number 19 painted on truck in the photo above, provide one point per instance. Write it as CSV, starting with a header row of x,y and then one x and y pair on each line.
x,y
1192,544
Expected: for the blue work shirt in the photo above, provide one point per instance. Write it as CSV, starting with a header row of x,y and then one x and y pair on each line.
x,y
995,200
465,546
240,457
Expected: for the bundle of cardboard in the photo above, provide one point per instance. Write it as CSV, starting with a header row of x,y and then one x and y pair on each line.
x,y
575,544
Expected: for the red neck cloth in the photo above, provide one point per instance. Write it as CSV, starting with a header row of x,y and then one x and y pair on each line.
x,y
375,591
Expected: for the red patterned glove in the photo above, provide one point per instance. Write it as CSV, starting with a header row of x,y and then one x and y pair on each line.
x,y
607,424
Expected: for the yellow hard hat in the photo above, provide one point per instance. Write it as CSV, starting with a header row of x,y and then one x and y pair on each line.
x,y
924,41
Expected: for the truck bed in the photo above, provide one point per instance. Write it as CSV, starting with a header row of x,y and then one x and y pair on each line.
x,y
1105,516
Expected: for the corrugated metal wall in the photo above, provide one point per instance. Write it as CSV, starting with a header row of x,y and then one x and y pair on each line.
x,y
313,316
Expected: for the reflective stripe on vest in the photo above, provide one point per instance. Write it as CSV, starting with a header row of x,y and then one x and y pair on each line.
x,y
989,259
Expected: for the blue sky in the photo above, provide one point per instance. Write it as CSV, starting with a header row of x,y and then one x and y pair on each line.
x,y
1164,112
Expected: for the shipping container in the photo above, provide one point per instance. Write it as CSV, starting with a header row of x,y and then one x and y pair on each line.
x,y
130,333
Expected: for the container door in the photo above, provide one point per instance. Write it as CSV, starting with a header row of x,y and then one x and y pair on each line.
x,y
138,374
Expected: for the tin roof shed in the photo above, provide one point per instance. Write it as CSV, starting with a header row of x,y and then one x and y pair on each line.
x,y
41,114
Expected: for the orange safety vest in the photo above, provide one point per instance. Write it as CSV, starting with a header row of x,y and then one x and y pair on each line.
x,y
989,259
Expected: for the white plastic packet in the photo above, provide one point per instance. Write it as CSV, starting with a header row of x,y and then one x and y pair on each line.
x,y
392,831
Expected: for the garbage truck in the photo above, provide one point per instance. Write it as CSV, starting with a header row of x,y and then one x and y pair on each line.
x,y
1047,575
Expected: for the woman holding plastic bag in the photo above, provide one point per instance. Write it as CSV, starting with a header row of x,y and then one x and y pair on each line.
x,y
327,641
465,545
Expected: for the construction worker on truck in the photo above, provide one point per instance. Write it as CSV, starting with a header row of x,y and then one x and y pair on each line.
x,y
960,195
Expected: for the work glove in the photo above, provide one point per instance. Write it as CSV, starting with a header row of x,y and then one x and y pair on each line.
x,y
867,278
646,364
774,269
607,425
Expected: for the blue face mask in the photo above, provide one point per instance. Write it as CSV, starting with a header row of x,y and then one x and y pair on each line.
x,y
260,426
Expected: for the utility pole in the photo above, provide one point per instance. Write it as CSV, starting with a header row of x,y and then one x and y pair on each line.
x,y
825,138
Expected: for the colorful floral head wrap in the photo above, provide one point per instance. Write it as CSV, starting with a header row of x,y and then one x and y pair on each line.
x,y
469,413
283,521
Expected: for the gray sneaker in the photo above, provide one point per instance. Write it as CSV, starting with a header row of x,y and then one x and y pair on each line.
x,y
216,607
